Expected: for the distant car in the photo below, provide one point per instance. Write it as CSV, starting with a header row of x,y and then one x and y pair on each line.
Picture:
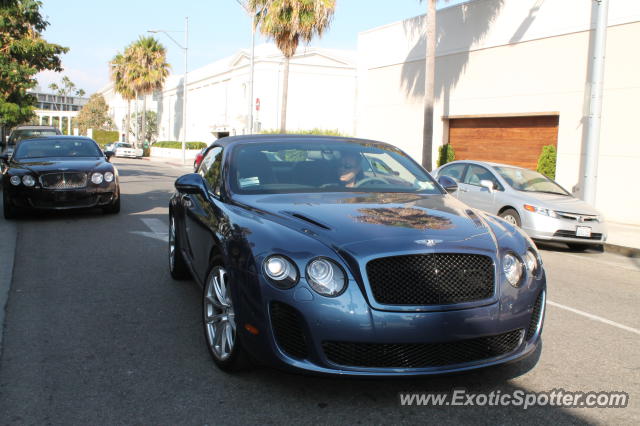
x,y
25,132
542,208
122,149
58,172
200,156
345,257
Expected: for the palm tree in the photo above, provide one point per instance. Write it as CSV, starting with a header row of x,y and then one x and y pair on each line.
x,y
149,69
429,86
119,71
287,22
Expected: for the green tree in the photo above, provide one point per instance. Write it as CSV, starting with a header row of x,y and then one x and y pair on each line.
x,y
23,53
148,69
445,154
547,161
94,115
150,126
288,22
120,72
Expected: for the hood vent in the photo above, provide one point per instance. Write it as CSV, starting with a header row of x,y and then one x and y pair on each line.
x,y
309,220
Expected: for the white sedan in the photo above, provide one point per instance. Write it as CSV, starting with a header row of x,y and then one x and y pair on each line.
x,y
122,149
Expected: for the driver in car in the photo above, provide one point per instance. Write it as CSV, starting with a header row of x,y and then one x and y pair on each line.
x,y
350,169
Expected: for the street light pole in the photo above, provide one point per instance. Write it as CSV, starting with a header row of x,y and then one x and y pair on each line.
x,y
184,80
252,66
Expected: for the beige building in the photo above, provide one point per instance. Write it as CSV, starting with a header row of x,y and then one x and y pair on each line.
x,y
512,76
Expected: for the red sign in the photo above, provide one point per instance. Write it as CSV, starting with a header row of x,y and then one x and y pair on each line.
x,y
257,104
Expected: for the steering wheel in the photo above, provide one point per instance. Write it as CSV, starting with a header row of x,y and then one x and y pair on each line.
x,y
367,181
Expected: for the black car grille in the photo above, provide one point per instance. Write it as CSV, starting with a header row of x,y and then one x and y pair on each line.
x,y
535,317
421,355
288,330
71,201
431,279
571,234
63,180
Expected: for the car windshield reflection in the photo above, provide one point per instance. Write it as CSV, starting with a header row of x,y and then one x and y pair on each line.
x,y
45,148
530,181
326,167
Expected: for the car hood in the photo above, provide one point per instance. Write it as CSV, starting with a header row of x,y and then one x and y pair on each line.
x,y
41,165
562,203
395,221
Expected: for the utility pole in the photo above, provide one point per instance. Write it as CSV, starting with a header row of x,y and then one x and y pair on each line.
x,y
592,143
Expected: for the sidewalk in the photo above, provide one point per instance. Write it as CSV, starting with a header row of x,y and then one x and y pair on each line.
x,y
172,162
623,239
8,237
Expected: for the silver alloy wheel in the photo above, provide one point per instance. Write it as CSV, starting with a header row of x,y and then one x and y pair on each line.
x,y
219,317
511,219
172,244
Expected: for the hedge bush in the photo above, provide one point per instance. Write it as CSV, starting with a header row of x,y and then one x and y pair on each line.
x,y
104,137
315,131
178,145
547,161
445,154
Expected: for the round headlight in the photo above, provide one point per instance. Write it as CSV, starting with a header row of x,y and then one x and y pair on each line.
x,y
28,180
531,261
326,277
97,178
280,271
15,180
108,177
512,269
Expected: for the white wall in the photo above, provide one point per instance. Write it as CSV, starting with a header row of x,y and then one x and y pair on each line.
x,y
504,57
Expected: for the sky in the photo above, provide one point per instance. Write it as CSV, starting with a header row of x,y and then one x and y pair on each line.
x,y
95,30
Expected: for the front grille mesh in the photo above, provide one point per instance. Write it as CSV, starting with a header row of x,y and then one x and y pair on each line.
x,y
63,180
431,279
535,317
421,355
288,330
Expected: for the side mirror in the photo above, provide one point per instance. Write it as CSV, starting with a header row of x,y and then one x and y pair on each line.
x,y
191,183
109,154
448,184
4,157
487,184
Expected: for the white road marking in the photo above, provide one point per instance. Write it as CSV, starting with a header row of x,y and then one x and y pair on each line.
x,y
594,317
604,262
159,230
156,225
163,238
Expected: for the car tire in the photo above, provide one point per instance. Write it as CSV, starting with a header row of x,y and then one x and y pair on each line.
x,y
9,211
219,321
511,216
177,265
113,208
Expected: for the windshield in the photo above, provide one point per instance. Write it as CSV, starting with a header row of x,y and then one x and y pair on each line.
x,y
529,181
19,135
123,145
311,166
41,148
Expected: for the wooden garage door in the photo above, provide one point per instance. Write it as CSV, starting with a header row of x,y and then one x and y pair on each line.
x,y
508,140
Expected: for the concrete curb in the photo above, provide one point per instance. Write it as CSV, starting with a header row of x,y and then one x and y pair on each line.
x,y
622,250
8,239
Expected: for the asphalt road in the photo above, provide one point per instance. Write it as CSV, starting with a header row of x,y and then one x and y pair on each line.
x,y
97,332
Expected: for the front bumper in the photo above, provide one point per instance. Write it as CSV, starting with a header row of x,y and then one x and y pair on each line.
x,y
399,338
541,227
62,199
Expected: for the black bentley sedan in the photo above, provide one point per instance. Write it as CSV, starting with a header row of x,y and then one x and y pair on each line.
x,y
58,172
